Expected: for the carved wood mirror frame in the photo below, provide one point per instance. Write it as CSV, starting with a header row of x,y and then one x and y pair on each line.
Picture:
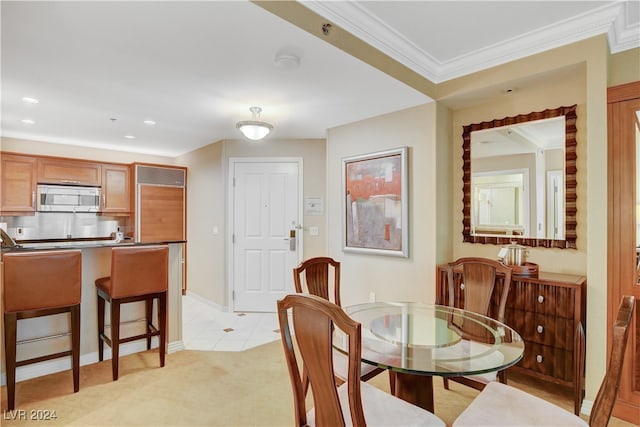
x,y
570,171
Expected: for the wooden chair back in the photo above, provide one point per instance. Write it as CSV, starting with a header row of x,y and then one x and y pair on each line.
x,y
479,278
608,392
313,276
313,320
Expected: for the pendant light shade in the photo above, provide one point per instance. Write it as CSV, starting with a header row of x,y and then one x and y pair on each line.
x,y
254,129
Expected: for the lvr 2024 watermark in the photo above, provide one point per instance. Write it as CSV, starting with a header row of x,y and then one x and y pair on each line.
x,y
29,415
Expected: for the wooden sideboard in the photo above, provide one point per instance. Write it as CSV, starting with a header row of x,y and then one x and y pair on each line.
x,y
549,312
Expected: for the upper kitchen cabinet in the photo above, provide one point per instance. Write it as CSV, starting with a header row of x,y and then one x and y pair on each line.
x,y
69,172
17,184
116,189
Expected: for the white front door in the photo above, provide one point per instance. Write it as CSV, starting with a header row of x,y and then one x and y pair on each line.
x,y
265,234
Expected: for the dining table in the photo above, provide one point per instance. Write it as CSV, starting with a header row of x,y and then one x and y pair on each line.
x,y
417,341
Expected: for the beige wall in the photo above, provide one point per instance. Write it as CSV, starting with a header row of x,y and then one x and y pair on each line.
x,y
207,259
574,74
624,67
391,278
206,211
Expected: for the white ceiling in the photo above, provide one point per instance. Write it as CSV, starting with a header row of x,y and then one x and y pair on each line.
x,y
196,67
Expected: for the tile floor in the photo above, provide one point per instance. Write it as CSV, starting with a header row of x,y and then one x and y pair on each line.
x,y
204,327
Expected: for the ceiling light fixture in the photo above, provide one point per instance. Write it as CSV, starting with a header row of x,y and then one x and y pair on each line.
x,y
130,136
29,100
254,129
149,122
28,121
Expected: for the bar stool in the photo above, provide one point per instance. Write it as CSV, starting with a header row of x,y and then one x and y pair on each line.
x,y
138,273
40,283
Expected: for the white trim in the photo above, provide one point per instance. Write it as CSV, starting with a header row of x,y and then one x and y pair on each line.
x,y
207,302
586,407
623,35
357,20
48,367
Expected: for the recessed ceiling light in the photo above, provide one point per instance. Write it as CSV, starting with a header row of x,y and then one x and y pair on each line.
x,y
29,100
130,136
149,122
28,121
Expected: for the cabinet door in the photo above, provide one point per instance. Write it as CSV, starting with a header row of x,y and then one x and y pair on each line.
x,y
116,189
161,213
70,172
18,186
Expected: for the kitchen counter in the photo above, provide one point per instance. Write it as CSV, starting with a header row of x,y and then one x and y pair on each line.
x,y
81,244
96,262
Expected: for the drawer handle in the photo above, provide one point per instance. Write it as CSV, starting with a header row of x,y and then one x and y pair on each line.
x,y
539,358
462,286
540,299
540,329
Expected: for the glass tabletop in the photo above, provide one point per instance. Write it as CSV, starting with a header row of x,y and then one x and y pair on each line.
x,y
432,339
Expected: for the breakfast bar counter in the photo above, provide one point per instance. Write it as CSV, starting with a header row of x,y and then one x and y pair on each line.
x,y
51,334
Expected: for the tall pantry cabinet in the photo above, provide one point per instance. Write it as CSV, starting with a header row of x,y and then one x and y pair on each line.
x,y
160,205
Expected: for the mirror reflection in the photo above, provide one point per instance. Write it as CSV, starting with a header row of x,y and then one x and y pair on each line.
x,y
517,179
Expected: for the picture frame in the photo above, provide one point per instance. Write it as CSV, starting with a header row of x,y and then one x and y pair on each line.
x,y
375,210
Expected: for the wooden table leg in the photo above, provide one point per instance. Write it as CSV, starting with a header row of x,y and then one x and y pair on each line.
x,y
415,389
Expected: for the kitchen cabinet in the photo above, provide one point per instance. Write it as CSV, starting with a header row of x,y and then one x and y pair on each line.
x,y
161,213
69,172
18,184
549,313
161,206
116,189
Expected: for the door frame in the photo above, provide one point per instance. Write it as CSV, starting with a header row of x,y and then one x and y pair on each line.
x,y
231,213
621,252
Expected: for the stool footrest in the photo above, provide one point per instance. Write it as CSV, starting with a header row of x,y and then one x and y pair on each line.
x,y
139,337
43,358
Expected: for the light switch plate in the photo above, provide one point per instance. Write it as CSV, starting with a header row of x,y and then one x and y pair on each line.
x,y
314,231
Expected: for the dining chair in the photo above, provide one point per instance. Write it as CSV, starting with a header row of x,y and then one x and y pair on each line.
x,y
503,405
314,276
354,402
477,286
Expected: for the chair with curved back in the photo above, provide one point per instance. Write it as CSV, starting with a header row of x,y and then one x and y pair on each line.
x,y
313,276
352,403
478,287
488,408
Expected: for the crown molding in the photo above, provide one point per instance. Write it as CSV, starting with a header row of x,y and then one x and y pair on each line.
x,y
624,34
369,28
552,36
611,19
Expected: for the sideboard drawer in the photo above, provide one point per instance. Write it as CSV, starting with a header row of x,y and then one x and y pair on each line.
x,y
542,329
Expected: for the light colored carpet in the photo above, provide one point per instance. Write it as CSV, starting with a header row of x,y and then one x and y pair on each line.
x,y
195,388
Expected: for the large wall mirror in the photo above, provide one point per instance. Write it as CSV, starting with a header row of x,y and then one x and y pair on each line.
x,y
519,179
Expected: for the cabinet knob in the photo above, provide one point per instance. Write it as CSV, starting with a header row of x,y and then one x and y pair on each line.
x,y
462,286
540,329
540,299
539,358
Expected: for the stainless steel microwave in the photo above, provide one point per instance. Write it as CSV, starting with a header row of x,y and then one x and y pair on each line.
x,y
66,198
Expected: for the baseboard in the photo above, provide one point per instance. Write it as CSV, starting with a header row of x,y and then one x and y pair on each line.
x,y
64,363
585,409
205,301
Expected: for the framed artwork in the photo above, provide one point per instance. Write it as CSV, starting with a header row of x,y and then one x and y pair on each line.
x,y
375,213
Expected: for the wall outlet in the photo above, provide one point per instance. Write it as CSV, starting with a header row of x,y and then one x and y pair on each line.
x,y
372,297
19,231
